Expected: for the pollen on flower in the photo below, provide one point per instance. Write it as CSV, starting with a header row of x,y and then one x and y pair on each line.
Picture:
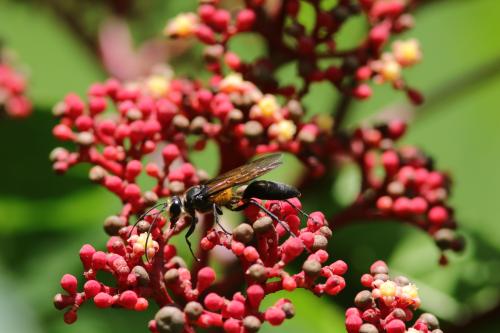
x,y
407,53
140,245
183,25
233,82
388,289
267,107
157,85
410,292
283,131
389,306
387,69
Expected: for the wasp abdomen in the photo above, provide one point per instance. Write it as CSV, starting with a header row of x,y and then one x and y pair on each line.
x,y
268,190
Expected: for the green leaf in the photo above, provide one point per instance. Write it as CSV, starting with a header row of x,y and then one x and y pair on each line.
x,y
312,314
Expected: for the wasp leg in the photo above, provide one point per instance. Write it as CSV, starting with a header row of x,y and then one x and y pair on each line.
x,y
216,219
271,215
146,213
189,233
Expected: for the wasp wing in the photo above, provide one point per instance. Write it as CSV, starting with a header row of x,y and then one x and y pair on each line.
x,y
243,174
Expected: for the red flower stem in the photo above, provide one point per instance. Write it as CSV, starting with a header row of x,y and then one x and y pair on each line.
x,y
207,223
161,294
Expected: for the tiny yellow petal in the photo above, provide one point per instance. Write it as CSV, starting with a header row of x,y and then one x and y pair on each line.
x,y
410,291
268,106
283,130
157,85
388,289
183,25
408,52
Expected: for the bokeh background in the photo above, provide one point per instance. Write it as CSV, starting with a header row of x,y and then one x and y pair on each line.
x,y
44,218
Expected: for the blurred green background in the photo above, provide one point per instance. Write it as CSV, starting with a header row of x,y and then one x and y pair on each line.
x,y
44,219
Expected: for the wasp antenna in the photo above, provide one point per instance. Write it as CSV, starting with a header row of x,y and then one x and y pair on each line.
x,y
149,233
146,213
274,217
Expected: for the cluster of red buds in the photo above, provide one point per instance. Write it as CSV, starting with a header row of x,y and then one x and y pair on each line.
x,y
158,114
189,299
289,39
13,100
401,183
388,306
148,128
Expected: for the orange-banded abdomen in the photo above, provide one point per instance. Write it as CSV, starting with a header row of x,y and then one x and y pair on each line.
x,y
223,198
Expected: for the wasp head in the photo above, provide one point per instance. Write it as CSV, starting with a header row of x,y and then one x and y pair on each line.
x,y
197,199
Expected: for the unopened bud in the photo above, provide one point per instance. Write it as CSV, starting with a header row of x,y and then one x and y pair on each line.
x,y
289,310
171,276
253,129
401,280
235,116
176,187
311,267
97,174
363,299
368,328
252,324
430,320
142,275
243,233
326,231
181,123
197,125
320,243
257,272
113,224
295,109
150,198
263,224
85,138
193,310
178,261
169,320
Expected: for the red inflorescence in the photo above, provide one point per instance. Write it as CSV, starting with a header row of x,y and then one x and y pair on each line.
x,y
131,131
389,306
12,91
402,183
263,248
289,39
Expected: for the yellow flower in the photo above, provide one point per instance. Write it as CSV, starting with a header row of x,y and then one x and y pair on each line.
x,y
409,292
268,106
408,52
142,241
283,131
183,25
388,289
231,83
157,85
387,68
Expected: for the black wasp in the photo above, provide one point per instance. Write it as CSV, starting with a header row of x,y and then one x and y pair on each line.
x,y
221,191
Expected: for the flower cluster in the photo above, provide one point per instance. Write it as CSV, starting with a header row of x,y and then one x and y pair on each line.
x,y
265,250
389,306
12,91
402,183
288,38
138,137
